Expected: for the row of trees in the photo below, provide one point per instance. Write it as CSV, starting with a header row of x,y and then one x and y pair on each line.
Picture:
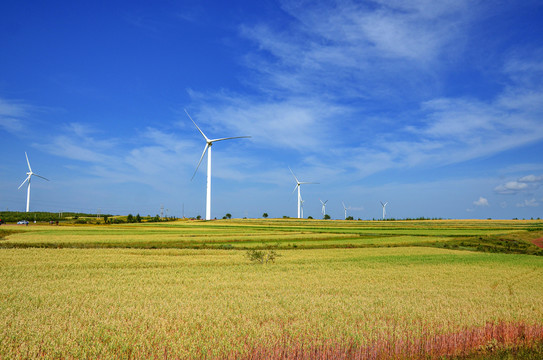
x,y
14,216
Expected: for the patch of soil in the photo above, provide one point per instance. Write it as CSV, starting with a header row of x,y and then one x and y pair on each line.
x,y
538,242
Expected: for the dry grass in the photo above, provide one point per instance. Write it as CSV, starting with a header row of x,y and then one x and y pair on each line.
x,y
123,303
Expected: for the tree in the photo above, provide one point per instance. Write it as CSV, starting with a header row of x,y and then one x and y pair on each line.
x,y
265,215
138,218
326,217
130,218
198,217
349,218
228,215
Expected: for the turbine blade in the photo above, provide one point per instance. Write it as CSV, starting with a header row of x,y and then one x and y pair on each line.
x,y
199,162
342,203
28,162
23,182
228,138
326,201
40,176
201,132
295,178
304,182
295,188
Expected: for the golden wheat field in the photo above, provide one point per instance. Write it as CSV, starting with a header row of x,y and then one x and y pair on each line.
x,y
140,303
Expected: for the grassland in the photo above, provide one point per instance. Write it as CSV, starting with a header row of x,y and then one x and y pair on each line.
x,y
170,291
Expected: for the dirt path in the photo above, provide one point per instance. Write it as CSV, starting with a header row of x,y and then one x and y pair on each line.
x,y
538,242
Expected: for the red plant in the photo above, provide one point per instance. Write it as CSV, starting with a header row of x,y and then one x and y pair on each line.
x,y
402,345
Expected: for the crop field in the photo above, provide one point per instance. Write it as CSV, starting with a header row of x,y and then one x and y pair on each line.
x,y
337,289
280,234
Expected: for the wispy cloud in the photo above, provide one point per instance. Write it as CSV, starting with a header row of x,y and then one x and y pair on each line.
x,y
76,141
529,203
355,49
322,68
13,115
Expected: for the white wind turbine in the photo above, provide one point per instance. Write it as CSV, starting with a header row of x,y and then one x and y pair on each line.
x,y
344,209
384,209
30,173
323,207
207,148
298,183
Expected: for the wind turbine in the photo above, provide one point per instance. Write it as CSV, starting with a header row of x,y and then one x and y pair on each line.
x,y
207,148
323,206
345,209
30,173
298,183
384,209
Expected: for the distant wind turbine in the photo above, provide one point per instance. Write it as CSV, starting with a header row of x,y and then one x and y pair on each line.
x,y
384,209
323,206
207,148
298,183
30,173
345,209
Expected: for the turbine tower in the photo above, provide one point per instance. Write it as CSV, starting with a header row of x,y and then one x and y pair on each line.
x,y
384,209
298,183
207,148
323,207
30,173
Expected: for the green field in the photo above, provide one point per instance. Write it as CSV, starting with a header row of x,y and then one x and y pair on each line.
x,y
187,289
283,234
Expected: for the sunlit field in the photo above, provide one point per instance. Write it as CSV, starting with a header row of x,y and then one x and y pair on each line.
x,y
283,234
337,290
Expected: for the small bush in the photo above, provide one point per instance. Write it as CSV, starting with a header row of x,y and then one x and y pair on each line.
x,y
262,256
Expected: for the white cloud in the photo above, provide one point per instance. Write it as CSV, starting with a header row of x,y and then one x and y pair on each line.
x,y
481,202
523,184
531,179
511,187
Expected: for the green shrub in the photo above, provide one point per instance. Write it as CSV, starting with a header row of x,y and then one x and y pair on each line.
x,y
262,256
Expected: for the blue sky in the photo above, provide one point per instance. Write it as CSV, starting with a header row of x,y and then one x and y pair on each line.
x,y
435,107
